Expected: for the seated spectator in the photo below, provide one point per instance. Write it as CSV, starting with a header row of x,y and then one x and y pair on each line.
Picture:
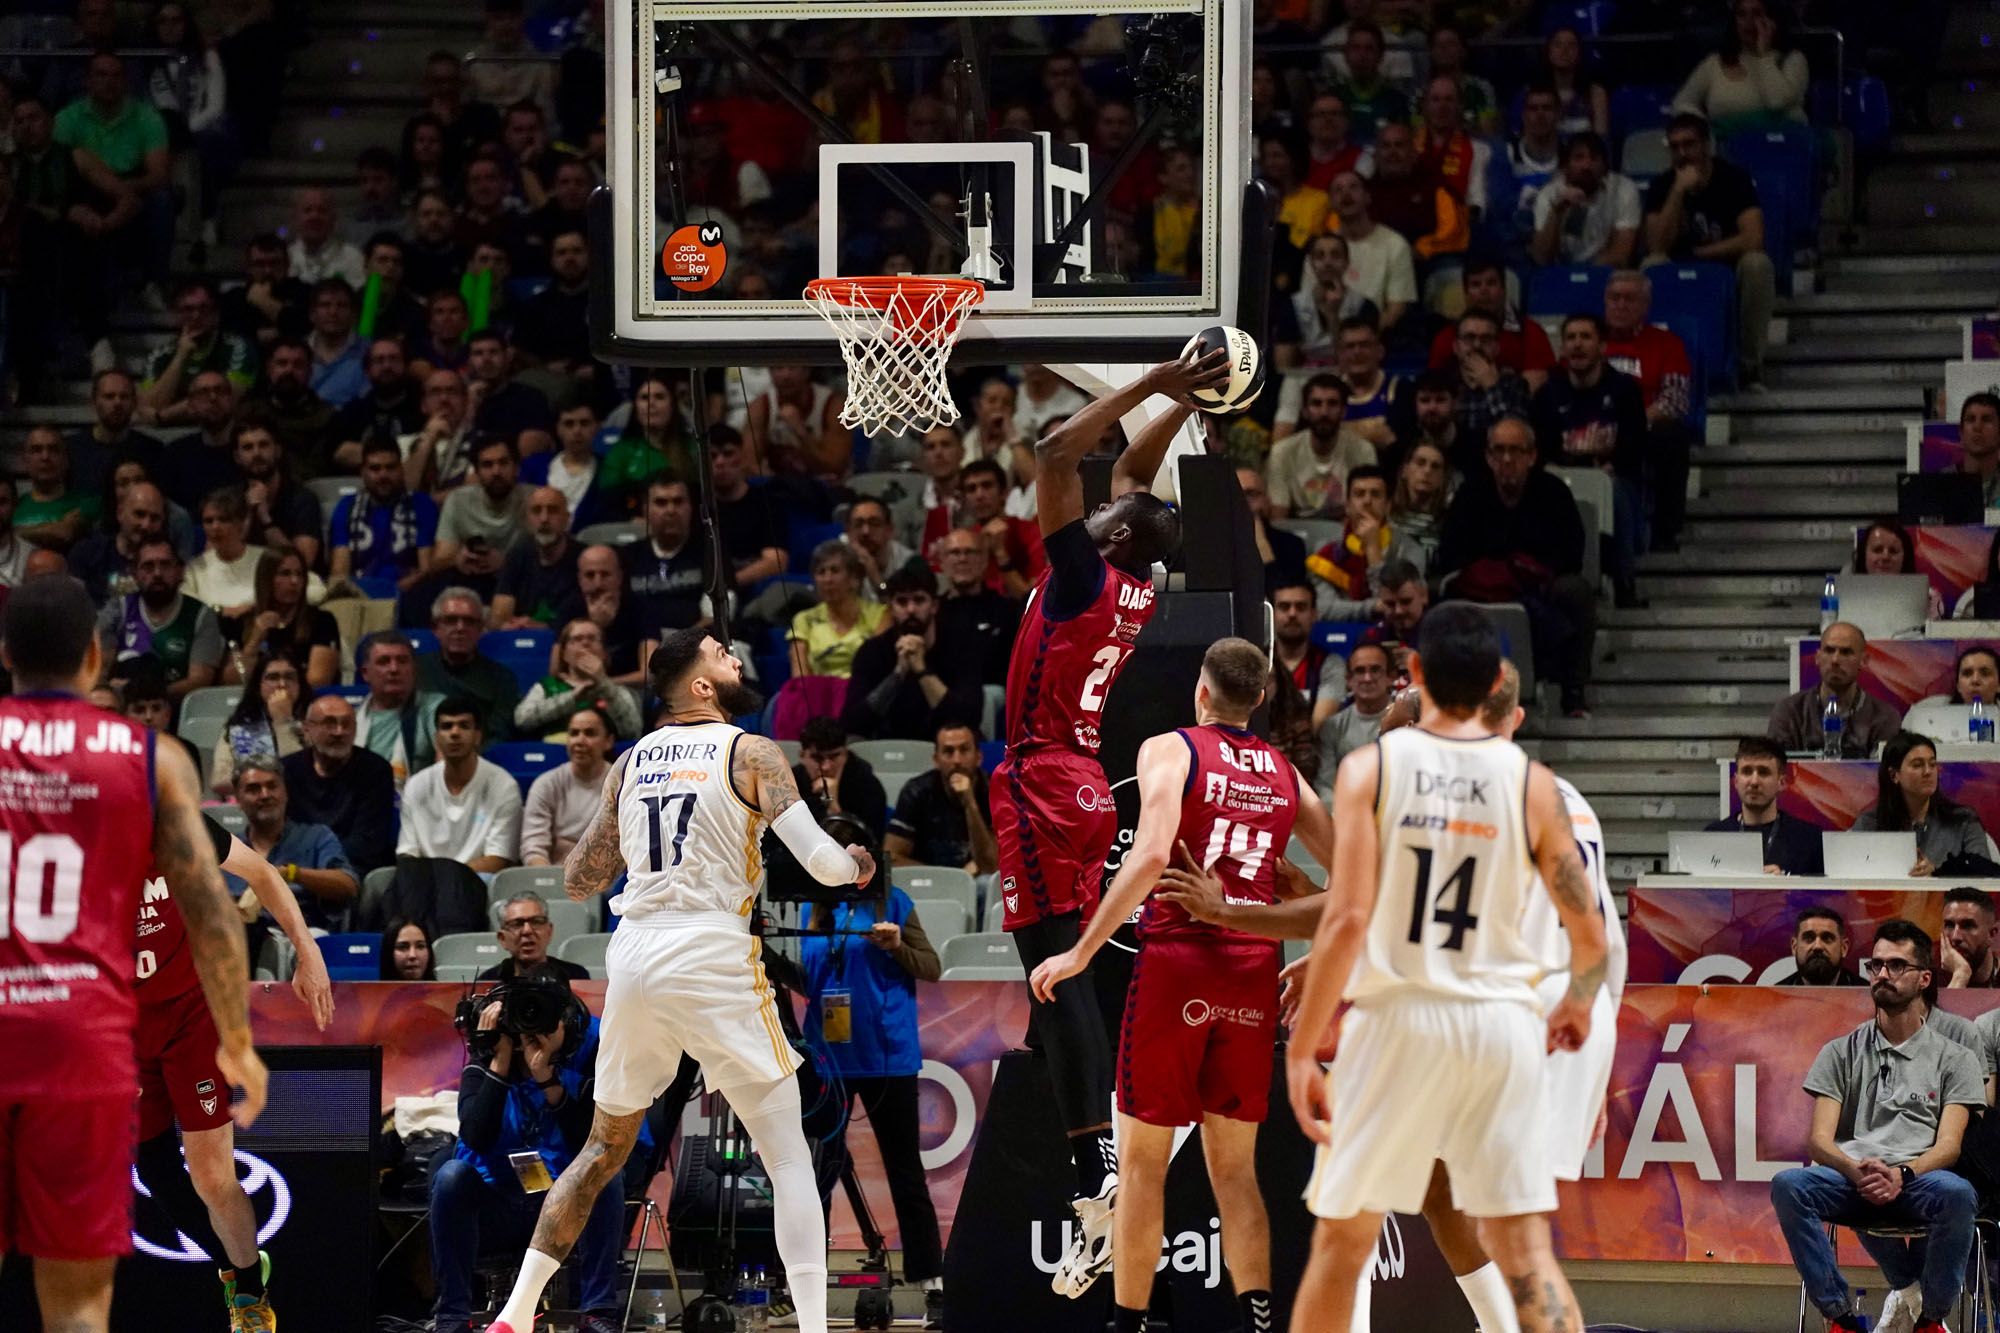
x,y
794,427
600,581
1323,302
1588,214
459,670
995,430
551,328
318,251
562,801
350,789
1013,545
110,437
398,314
1791,846
525,932
441,345
386,412
1401,599
655,445
939,458
1381,266
1884,547
308,855
201,344
406,952
753,533
396,720
1283,553
504,70
505,407
384,530
1583,104
53,512
528,1098
1521,346
1166,231
300,418
121,151
281,625
14,552
943,816
281,512
432,257
379,206
271,301
1346,566
1369,670
1756,81
1372,101
1488,391
834,781
1975,676
479,524
1412,202
1330,146
1657,359
439,456
871,535
1302,210
225,575
1532,159
907,679
971,612
1592,416
1372,396
1819,944
1904,1134
1307,472
1979,442
1707,209
1424,481
1966,952
462,808
1907,798
572,466
826,637
1866,721
1319,676
664,573
1513,534
266,721
339,355
142,697
204,459
536,587
1479,104
1446,152
578,678
178,633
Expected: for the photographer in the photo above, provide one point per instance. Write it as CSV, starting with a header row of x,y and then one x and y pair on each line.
x,y
862,963
527,1102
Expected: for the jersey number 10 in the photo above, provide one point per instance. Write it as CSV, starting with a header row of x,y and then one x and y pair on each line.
x,y
1458,886
41,893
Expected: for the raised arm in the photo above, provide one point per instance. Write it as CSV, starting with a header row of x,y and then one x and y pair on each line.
x,y
1553,839
310,981
1058,456
186,859
596,860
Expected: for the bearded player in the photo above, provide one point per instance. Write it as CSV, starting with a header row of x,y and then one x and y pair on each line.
x,y
89,809
1053,814
1201,1012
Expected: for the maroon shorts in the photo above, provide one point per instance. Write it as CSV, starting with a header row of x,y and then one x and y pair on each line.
x,y
1201,1022
178,1079
66,1178
1055,821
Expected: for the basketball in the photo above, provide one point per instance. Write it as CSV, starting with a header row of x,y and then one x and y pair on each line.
x,y
1246,368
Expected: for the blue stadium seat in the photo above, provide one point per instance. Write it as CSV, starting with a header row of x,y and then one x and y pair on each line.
x,y
1339,636
526,760
1590,18
1865,110
1564,289
1781,162
525,652
805,536
1706,295
991,753
422,640
352,957
1640,107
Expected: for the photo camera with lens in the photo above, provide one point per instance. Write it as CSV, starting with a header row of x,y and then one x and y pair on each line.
x,y
532,1008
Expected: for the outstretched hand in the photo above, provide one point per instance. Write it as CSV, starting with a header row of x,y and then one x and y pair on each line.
x,y
1191,888
1178,379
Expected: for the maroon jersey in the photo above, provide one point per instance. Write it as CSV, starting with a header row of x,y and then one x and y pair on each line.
x,y
1237,812
164,967
1063,667
76,844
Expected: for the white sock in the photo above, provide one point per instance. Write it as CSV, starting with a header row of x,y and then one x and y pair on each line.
x,y
1492,1305
536,1270
772,1117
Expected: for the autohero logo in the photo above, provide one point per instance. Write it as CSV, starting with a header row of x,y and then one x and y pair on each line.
x,y
270,1198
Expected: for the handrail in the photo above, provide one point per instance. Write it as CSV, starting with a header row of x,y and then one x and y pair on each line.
x,y
86,52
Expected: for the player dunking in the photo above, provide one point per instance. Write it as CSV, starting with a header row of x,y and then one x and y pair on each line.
x,y
684,813
1441,828
179,1083
89,809
1201,1013
1053,813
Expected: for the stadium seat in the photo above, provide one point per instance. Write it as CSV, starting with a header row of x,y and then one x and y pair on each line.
x,y
1314,532
984,952
1339,636
477,951
1643,155
1587,18
422,640
990,755
216,701
790,749
586,950
904,756
942,918
461,972
566,918
525,652
893,781
231,817
1640,107
610,534
1704,294
946,882
1565,289
1781,161
996,918
806,536
373,886
352,957
277,960
545,880
331,491
526,760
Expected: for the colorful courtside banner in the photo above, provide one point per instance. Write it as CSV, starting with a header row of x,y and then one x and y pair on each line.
x,y
1899,672
1682,930
1952,555
1832,793
1982,339
1936,448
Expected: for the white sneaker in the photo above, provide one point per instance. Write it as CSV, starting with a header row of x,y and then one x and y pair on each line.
x,y
1089,1253
1900,1309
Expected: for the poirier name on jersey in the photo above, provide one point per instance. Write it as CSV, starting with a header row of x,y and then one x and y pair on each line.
x,y
691,843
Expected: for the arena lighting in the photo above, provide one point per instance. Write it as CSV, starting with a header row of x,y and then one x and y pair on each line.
x,y
257,1176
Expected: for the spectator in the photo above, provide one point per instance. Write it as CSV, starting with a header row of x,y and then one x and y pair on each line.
x,y
270,302
794,427
386,412
144,700
1045,397
1371,395
266,721
1533,157
907,679
529,1097
1423,483
204,459
478,524
1369,673
1522,347
579,678
1707,209
1307,471
524,134
281,513
1291,724
565,212
61,207
562,801
1979,442
462,808
1489,391
871,535
1592,416
753,537
308,855
396,720
1975,676
439,456
537,583
1114,127
107,561
432,258
459,670
158,622
1512,534
1330,147
384,531
1907,798
1412,202
110,436
1282,553
1401,599
1819,945
572,466
1067,106
1884,547
14,552
1324,302
939,458
462,124
379,205
1381,265
506,407
441,346
505,69
1966,951
281,624
300,418
120,148
1791,846
350,790
1584,105
826,637
1757,81
655,445
997,430
1346,566
398,314
1372,101
664,573
1657,359
1446,152
1589,214
406,952
526,932
1319,676
53,511
1865,720
1013,545
339,357
601,580
225,575
318,251
943,816
1301,209
1904,1134
834,781
551,330
1480,105
971,612
202,344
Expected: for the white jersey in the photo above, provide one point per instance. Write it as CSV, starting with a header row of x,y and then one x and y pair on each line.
x,y
1543,928
1455,873
691,843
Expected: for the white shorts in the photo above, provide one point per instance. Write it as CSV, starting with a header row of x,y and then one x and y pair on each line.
x,y
693,982
1417,1081
1577,1083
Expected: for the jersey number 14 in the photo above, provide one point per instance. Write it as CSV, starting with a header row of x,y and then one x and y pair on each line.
x,y
1457,887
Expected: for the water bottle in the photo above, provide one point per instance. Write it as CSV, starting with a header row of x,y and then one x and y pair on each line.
x,y
739,1300
1831,725
1979,725
760,1301
1829,601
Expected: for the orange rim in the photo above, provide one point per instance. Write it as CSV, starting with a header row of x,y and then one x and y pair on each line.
x,y
880,293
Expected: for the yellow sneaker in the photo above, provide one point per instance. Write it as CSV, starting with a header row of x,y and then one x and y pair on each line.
x,y
253,1314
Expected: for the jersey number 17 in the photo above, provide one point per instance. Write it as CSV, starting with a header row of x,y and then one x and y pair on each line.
x,y
663,814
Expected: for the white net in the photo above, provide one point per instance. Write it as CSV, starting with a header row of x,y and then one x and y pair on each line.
x,y
896,335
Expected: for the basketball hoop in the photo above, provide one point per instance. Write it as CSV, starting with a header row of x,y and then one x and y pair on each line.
x,y
896,334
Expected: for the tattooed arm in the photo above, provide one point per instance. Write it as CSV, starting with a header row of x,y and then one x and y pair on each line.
x,y
1553,839
596,860
186,859
763,777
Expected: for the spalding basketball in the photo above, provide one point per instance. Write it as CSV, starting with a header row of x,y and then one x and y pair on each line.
x,y
1246,368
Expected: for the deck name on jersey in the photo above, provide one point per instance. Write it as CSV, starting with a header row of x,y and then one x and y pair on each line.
x,y
1459,790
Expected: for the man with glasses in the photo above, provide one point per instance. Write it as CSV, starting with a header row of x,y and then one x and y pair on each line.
x,y
345,787
1488,389
458,617
1369,672
871,533
201,345
971,612
309,856
203,460
525,933
1891,1102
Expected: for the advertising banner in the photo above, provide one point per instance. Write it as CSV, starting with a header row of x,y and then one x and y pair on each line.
x,y
1692,932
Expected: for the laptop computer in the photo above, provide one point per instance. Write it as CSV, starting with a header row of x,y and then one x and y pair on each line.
x,y
1869,855
1883,605
1715,854
1940,497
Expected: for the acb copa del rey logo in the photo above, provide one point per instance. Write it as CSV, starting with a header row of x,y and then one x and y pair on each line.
x,y
270,1197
